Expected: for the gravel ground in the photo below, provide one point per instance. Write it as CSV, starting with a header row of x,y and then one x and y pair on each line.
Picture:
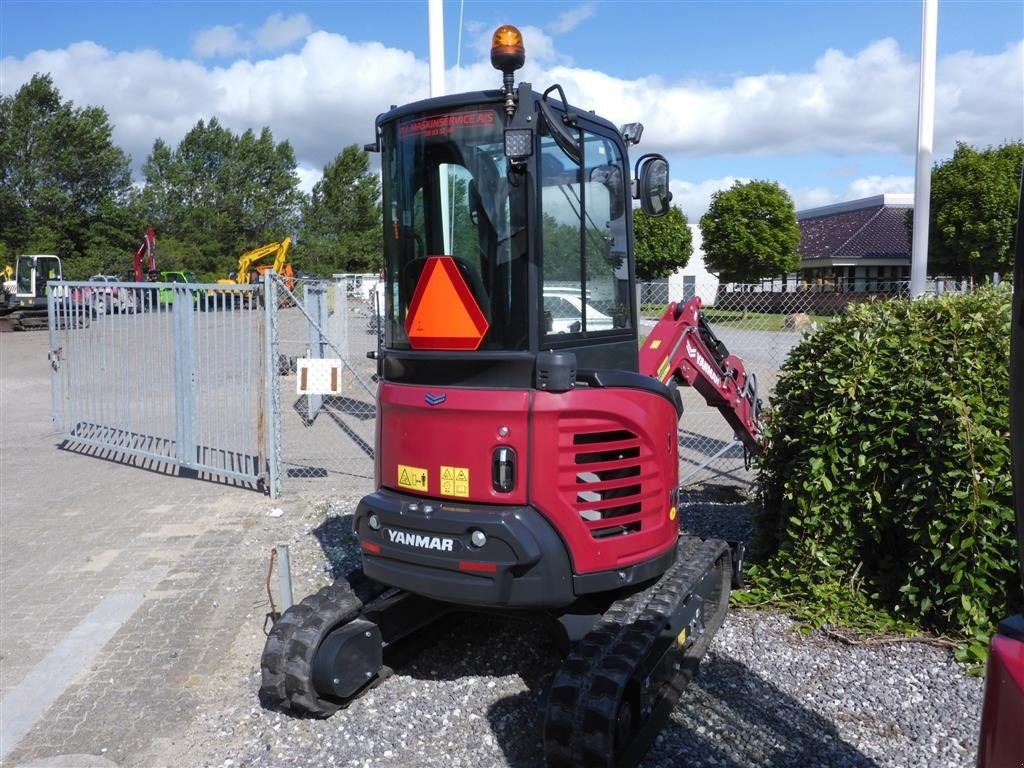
x,y
766,695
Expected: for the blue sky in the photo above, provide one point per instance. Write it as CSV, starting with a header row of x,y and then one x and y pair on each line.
x,y
820,96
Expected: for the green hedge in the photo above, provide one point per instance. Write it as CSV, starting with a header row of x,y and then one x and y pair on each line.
x,y
885,482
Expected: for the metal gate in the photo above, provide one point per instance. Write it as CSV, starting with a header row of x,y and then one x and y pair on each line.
x,y
171,373
324,386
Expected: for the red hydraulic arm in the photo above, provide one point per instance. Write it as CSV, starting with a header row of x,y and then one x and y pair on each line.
x,y
682,346
146,252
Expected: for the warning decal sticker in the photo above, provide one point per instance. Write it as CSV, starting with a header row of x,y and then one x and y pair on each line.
x,y
455,481
413,478
664,369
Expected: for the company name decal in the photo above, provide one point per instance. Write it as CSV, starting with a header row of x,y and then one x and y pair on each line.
x,y
445,125
704,365
437,543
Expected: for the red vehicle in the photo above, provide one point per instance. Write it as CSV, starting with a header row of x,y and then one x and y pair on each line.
x,y
1002,719
521,466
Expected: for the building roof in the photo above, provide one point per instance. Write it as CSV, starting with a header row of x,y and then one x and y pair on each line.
x,y
871,228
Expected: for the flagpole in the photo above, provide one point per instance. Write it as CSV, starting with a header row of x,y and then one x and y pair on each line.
x,y
925,133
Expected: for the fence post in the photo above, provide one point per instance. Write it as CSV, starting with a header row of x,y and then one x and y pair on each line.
x,y
314,296
273,393
184,376
56,390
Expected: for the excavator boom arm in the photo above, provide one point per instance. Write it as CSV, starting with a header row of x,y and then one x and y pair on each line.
x,y
146,253
247,261
683,347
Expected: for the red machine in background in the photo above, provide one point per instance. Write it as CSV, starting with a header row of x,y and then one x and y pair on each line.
x,y
145,255
1002,720
526,462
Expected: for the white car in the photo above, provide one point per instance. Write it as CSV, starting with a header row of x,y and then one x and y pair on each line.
x,y
566,312
105,298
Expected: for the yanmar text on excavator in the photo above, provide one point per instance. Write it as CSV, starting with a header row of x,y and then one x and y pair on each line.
x,y
526,463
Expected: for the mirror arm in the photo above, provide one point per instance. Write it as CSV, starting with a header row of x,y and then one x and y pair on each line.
x,y
563,138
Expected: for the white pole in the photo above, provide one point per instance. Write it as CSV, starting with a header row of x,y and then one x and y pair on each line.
x,y
925,132
435,26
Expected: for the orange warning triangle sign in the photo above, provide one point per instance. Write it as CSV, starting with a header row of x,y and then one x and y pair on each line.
x,y
443,313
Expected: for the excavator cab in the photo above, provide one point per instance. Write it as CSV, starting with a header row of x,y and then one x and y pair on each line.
x,y
531,214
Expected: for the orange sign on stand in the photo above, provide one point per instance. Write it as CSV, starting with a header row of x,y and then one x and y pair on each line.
x,y
443,313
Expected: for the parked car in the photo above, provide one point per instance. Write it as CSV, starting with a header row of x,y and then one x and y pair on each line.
x,y
565,310
106,298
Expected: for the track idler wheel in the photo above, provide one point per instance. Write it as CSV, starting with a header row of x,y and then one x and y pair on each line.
x,y
290,665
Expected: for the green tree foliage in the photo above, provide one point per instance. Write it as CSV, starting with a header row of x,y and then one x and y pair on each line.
x,y
750,232
973,210
886,472
341,220
662,244
218,195
64,184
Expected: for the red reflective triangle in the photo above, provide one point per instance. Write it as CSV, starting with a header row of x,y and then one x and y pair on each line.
x,y
443,313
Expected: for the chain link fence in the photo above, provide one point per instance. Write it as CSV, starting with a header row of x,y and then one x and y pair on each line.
x,y
325,384
759,323
326,387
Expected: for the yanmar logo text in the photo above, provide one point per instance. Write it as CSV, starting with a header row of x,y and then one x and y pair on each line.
x,y
438,543
703,364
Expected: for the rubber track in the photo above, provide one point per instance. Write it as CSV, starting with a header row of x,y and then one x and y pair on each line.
x,y
583,705
286,664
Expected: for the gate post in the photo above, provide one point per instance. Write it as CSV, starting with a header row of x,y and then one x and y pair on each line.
x,y
56,379
184,376
273,393
314,296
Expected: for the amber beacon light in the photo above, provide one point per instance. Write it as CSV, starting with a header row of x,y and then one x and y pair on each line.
x,y
507,51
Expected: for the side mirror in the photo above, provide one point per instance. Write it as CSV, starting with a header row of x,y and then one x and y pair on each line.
x,y
652,185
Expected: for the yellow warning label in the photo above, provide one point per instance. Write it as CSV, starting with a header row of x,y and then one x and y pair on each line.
x,y
681,637
455,481
415,478
664,369
656,343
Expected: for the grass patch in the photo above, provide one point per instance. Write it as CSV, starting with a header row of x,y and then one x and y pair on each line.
x,y
755,321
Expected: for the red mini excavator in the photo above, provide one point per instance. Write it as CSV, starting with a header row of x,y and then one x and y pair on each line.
x,y
527,447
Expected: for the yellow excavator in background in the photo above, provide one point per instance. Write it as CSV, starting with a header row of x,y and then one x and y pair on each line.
x,y
249,271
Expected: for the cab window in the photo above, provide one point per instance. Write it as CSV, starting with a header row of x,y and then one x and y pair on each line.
x,y
583,234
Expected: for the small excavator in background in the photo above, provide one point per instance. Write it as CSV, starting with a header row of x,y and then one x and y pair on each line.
x,y
145,256
25,309
249,270
522,465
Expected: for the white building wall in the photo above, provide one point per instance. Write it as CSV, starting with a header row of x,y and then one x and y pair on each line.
x,y
704,284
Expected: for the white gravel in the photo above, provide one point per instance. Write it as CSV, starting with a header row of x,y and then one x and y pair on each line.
x,y
766,695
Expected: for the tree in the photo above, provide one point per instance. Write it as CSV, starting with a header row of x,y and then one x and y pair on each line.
x,y
341,220
973,211
218,195
662,244
64,184
750,232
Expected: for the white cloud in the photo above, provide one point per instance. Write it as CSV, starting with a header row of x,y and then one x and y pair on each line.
x,y
308,177
326,94
693,198
866,102
277,32
571,19
869,186
280,31
217,41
